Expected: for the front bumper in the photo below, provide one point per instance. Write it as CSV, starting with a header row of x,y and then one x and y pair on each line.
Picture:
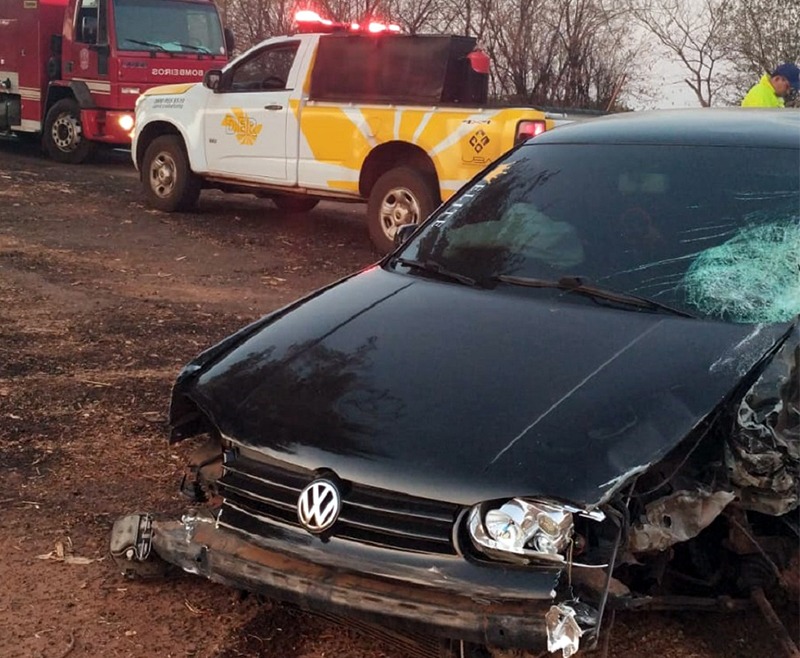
x,y
114,127
197,545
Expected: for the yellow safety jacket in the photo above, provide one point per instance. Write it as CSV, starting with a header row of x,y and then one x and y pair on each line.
x,y
762,95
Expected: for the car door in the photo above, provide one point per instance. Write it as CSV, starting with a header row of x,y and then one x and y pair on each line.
x,y
246,120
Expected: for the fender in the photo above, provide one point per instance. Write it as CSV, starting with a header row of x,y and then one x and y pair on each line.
x,y
82,94
196,160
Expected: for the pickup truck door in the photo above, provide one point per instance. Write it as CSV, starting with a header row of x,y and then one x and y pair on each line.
x,y
245,122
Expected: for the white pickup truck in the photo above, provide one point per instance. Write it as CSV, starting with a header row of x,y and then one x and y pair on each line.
x,y
398,121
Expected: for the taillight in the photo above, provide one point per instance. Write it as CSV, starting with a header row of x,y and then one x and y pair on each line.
x,y
528,129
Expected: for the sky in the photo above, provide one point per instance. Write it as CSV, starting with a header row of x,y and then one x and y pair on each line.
x,y
670,89
665,75
665,80
673,91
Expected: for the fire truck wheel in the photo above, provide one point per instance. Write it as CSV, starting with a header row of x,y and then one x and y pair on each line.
x,y
63,136
401,196
168,180
294,204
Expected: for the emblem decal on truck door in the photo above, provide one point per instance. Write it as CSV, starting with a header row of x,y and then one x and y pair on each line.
x,y
478,141
238,123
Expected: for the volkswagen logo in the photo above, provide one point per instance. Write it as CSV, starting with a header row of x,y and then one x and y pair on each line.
x,y
319,505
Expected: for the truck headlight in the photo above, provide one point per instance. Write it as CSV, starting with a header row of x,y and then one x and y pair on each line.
x,y
126,122
532,529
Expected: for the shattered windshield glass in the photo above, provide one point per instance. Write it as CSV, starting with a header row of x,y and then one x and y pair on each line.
x,y
713,231
168,26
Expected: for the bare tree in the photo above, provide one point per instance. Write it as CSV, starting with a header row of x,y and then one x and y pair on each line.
x,y
694,33
571,53
255,20
349,11
544,52
415,16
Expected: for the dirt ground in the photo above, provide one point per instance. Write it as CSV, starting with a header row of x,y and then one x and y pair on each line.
x,y
101,302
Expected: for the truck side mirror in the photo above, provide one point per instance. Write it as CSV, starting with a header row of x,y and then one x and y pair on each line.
x,y
230,41
89,29
212,79
403,233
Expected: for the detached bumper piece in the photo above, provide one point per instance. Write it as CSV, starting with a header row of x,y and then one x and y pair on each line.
x,y
197,545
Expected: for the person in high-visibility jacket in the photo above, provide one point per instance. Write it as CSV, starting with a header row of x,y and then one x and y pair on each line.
x,y
771,90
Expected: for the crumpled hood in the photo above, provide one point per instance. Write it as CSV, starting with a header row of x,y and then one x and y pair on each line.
x,y
463,395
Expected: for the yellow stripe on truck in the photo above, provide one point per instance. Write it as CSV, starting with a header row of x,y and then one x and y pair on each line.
x,y
459,143
169,90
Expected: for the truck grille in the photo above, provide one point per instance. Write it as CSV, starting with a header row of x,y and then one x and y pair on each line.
x,y
257,493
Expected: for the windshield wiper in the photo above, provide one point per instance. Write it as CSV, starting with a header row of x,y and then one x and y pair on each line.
x,y
435,268
577,285
150,44
199,49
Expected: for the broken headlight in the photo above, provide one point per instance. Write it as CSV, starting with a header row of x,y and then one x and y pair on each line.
x,y
528,528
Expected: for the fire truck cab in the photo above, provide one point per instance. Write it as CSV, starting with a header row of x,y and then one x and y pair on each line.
x,y
71,70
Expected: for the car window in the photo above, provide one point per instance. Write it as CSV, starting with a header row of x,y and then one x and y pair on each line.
x,y
266,70
713,231
88,23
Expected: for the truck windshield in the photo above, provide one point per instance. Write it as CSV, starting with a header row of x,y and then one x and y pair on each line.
x,y
174,26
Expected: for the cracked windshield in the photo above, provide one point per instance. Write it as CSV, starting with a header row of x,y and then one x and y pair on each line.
x,y
169,26
710,231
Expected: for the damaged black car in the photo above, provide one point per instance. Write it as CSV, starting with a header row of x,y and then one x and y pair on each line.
x,y
574,390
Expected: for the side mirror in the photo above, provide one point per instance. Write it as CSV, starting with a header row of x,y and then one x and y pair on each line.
x,y
230,42
89,29
403,233
212,79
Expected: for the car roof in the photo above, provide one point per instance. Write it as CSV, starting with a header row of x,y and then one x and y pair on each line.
x,y
774,128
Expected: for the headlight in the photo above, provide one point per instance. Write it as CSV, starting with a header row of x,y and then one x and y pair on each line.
x,y
529,528
126,122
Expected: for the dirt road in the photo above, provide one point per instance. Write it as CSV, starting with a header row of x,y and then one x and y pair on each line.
x,y
101,302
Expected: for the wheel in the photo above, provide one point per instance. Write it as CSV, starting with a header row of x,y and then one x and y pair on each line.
x,y
63,135
401,196
168,180
289,203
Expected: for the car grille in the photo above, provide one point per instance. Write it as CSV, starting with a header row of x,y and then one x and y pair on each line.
x,y
256,493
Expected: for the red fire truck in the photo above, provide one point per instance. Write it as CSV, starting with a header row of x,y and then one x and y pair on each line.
x,y
71,70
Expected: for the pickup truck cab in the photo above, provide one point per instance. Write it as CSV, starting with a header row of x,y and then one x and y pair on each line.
x,y
397,121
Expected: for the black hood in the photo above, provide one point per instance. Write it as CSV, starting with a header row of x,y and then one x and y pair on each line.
x,y
460,394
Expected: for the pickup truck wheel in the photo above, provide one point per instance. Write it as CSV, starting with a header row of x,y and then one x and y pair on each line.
x,y
63,134
294,204
169,183
401,196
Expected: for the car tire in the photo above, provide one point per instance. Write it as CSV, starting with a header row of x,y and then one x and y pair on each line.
x,y
294,204
63,133
169,183
400,196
